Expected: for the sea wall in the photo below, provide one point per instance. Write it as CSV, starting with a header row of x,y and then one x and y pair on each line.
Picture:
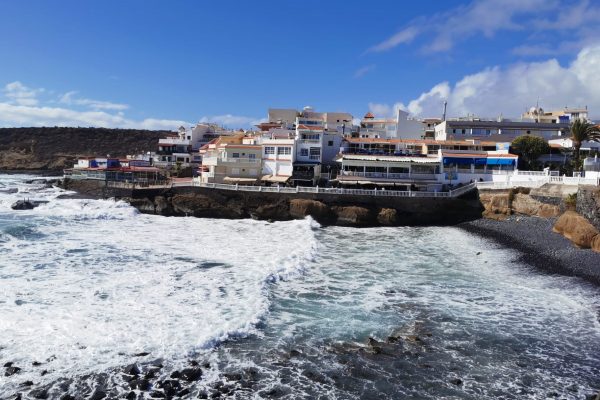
x,y
329,209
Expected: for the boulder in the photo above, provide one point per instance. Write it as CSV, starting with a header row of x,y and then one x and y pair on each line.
x,y
26,204
527,205
577,229
596,245
353,216
300,208
495,203
387,216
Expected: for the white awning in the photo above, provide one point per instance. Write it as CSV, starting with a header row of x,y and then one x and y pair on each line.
x,y
228,179
275,178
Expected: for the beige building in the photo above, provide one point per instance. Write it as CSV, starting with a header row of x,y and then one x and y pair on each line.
x,y
231,160
537,114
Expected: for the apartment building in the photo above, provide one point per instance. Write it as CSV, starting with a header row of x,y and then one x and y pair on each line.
x,y
228,159
503,130
565,115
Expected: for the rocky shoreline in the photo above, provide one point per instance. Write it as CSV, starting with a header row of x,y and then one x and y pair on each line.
x,y
539,246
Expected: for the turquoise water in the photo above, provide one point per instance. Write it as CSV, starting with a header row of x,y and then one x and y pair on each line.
x,y
86,284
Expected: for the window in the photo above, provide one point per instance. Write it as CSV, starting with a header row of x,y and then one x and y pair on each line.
x,y
315,153
269,150
464,131
189,137
252,156
235,155
284,150
330,143
304,152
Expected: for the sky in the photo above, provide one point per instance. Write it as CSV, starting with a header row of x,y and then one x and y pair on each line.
x,y
161,64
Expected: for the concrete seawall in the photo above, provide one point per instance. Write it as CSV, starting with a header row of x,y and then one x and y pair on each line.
x,y
330,209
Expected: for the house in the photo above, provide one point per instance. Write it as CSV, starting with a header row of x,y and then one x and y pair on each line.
x,y
502,130
183,147
228,159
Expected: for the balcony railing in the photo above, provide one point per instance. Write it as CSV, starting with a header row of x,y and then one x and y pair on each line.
x,y
391,175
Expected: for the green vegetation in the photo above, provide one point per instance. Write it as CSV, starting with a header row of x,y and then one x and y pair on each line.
x,y
582,131
529,148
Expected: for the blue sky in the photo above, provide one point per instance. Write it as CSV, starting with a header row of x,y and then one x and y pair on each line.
x,y
161,63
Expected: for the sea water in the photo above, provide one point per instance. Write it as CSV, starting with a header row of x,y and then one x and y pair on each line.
x,y
88,285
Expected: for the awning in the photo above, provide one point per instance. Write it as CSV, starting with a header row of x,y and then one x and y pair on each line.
x,y
275,178
500,161
228,179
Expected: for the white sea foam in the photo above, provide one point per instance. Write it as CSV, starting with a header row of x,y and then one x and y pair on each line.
x,y
91,282
88,283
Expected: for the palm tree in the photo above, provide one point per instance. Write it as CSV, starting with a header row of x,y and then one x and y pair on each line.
x,y
582,131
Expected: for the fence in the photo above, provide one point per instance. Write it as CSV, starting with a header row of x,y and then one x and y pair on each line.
x,y
340,191
541,181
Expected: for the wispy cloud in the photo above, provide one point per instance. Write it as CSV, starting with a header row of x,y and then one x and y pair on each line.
x,y
441,32
70,99
19,94
359,73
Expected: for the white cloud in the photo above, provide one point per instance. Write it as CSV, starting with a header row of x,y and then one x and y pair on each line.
x,y
70,99
22,108
511,90
233,121
406,35
442,31
359,73
17,93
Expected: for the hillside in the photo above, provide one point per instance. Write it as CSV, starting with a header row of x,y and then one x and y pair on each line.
x,y
57,148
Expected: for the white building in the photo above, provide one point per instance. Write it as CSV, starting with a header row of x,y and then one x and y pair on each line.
x,y
400,127
566,115
503,130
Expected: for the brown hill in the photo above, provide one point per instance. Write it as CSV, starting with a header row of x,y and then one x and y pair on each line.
x,y
57,148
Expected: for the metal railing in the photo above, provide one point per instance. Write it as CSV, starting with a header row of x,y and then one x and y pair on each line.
x,y
339,191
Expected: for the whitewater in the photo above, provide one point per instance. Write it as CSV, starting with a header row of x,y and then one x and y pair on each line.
x,y
90,286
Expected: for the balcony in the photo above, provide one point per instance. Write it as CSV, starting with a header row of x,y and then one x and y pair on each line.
x,y
390,175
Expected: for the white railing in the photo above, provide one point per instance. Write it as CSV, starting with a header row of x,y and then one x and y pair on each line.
x,y
539,182
391,175
339,191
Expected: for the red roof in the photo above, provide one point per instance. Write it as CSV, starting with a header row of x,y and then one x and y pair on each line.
x,y
369,115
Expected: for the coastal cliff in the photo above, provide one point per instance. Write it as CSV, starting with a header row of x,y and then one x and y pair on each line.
x,y
53,149
327,209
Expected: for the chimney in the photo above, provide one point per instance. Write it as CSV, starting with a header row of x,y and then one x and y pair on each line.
x,y
444,115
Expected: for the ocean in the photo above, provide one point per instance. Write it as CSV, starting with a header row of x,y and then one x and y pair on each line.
x,y
288,310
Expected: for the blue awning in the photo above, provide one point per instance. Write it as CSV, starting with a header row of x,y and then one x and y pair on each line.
x,y
500,161
464,160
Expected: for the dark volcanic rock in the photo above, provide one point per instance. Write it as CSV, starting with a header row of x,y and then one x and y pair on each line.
x,y
191,374
11,371
8,364
26,204
98,394
41,393
140,384
170,386
131,369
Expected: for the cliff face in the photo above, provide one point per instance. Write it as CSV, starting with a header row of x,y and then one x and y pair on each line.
x,y
58,148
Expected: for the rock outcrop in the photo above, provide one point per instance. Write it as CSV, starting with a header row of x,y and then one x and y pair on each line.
x,y
578,230
353,216
300,208
527,205
498,204
588,204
